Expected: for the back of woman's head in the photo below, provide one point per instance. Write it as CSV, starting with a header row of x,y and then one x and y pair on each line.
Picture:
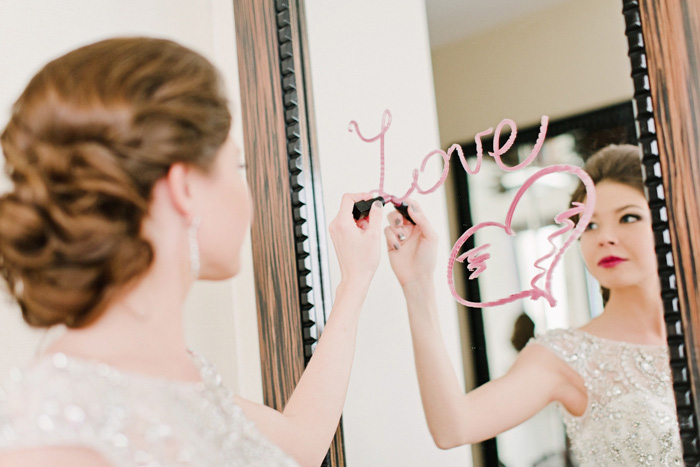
x,y
86,142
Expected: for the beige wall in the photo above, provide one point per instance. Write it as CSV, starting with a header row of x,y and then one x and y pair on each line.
x,y
561,61
220,317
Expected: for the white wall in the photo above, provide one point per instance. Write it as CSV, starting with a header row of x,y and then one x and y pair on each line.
x,y
366,58
220,317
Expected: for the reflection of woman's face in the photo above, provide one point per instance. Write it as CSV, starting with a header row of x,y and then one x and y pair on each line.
x,y
618,244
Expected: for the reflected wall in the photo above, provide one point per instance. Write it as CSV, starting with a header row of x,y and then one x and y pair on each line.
x,y
559,62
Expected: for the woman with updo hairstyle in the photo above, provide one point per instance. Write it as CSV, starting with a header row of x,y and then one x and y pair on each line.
x,y
611,378
84,147
126,188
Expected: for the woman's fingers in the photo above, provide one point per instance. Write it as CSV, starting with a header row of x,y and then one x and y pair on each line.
x,y
421,220
347,203
392,240
357,243
375,215
400,226
395,218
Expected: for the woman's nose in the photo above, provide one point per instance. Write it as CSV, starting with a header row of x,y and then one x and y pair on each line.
x,y
607,236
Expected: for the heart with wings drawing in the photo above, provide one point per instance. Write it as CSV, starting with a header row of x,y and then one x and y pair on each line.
x,y
568,232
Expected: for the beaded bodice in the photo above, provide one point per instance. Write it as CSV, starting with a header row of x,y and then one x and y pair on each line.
x,y
130,419
631,414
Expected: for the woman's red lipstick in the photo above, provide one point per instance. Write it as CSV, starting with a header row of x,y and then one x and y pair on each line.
x,y
610,261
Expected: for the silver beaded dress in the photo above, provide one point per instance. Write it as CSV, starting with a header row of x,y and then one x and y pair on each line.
x,y
630,419
130,419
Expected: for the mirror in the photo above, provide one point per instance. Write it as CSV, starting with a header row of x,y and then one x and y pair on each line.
x,y
357,72
559,59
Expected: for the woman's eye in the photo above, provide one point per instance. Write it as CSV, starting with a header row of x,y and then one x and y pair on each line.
x,y
628,218
591,226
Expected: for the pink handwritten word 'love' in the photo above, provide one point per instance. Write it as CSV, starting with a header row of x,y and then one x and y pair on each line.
x,y
476,258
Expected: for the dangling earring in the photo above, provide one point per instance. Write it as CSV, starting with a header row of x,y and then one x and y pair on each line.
x,y
194,246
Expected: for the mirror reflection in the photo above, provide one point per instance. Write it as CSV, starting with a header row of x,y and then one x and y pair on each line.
x,y
560,59
611,378
541,439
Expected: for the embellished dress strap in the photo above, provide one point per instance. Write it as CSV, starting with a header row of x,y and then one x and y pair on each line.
x,y
566,344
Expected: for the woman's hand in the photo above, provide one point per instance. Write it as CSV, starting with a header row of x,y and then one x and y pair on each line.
x,y
412,248
357,243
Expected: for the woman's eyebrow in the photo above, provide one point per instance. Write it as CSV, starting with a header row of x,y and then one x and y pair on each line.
x,y
627,206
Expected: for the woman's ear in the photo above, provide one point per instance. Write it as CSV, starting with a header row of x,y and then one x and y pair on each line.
x,y
179,188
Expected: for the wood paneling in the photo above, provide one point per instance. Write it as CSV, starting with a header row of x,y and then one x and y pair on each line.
x,y
288,234
664,38
274,256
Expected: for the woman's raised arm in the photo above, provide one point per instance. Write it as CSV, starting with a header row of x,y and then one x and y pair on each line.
x,y
455,418
306,427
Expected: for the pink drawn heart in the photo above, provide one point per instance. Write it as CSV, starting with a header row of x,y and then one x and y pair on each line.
x,y
476,258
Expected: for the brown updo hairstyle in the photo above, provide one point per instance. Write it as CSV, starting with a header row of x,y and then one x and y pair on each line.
x,y
614,163
86,142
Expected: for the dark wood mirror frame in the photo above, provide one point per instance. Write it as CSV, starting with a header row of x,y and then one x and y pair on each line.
x,y
288,235
664,52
